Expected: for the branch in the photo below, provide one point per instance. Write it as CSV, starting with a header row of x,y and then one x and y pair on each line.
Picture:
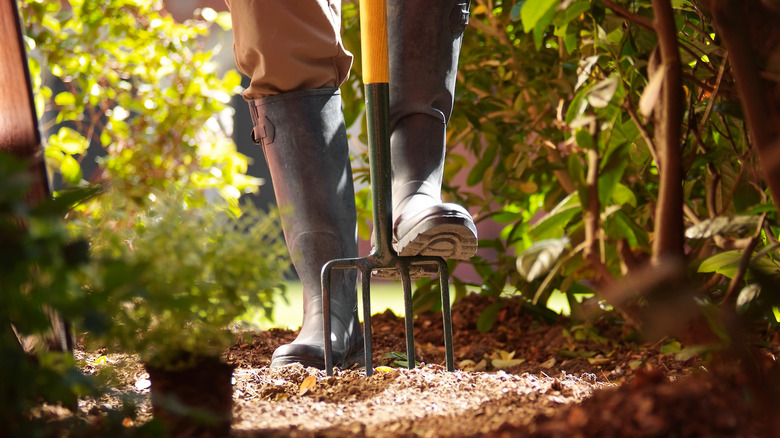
x,y
733,28
625,13
669,226
591,216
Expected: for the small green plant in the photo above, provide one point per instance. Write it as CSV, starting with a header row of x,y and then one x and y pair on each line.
x,y
39,263
168,282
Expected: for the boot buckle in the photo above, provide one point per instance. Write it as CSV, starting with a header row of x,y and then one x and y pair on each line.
x,y
263,132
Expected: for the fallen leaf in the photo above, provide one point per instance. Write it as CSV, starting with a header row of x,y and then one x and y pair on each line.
x,y
548,363
599,360
384,369
142,384
506,363
471,366
307,384
502,359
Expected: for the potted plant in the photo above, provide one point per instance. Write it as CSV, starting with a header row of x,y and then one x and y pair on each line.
x,y
167,282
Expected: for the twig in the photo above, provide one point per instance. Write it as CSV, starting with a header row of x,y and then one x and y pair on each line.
x,y
713,95
712,191
730,299
643,131
634,18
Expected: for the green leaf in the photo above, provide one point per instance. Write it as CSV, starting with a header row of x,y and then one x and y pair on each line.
x,y
478,171
619,225
612,171
554,223
514,13
533,10
671,347
584,139
724,263
622,195
487,318
537,259
69,141
70,169
541,27
65,98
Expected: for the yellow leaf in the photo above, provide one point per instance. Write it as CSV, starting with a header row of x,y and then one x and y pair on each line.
x,y
384,369
505,355
599,360
506,363
471,366
307,384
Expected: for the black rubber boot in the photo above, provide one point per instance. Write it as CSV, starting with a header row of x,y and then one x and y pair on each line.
x,y
305,144
424,45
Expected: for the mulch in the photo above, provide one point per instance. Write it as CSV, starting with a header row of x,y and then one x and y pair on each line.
x,y
657,393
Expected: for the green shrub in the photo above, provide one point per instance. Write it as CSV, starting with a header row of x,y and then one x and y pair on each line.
x,y
39,265
171,278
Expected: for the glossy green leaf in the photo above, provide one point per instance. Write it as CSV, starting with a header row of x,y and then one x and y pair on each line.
x,y
553,225
533,11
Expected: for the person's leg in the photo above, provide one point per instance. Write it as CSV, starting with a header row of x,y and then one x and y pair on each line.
x,y
286,46
293,54
424,45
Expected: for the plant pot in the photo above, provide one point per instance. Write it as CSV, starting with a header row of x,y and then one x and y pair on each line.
x,y
195,400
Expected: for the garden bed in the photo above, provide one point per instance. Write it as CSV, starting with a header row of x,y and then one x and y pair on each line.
x,y
565,381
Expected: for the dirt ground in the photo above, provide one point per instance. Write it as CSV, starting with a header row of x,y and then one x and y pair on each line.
x,y
522,378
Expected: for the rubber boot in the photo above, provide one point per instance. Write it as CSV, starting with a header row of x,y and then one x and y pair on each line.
x,y
424,44
305,144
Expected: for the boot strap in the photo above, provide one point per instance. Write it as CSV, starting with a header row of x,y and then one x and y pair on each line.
x,y
262,133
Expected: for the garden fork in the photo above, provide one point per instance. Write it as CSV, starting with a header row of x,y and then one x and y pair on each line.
x,y
373,29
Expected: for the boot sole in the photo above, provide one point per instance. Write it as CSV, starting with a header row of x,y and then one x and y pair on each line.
x,y
453,240
357,358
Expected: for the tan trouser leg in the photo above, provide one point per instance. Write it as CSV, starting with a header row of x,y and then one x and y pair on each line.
x,y
288,45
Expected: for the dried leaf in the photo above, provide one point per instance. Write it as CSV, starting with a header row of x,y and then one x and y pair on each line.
x,y
538,258
722,225
748,294
652,92
470,366
307,384
506,363
599,360
548,363
601,94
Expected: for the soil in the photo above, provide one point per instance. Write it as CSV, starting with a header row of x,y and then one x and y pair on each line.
x,y
524,377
